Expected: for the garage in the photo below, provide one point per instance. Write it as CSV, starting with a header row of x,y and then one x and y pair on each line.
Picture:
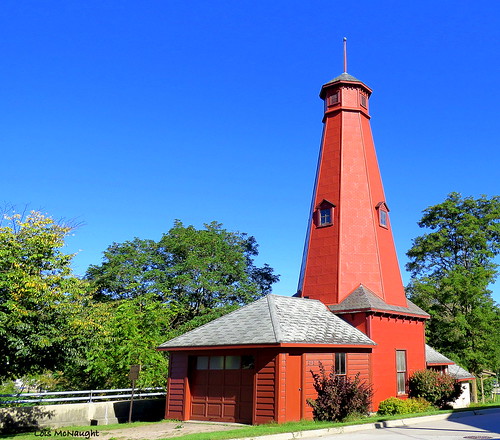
x,y
221,388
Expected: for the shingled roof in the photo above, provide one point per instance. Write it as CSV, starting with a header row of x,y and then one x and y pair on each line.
x,y
433,357
363,299
274,320
344,77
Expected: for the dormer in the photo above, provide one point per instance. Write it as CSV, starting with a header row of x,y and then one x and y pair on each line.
x,y
382,214
323,214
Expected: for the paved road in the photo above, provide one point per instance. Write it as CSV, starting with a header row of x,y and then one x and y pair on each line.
x,y
485,426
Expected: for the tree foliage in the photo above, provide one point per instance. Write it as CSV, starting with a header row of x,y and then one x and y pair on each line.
x,y
129,332
195,270
39,297
452,267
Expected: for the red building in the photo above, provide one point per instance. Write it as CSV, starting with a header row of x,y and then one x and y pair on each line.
x,y
254,365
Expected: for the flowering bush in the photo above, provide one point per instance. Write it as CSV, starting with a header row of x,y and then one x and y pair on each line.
x,y
437,388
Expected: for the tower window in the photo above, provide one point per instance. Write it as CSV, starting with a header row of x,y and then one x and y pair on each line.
x,y
363,100
333,99
383,214
383,218
401,371
323,214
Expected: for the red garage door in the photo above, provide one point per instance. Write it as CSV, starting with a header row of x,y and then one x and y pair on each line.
x,y
222,388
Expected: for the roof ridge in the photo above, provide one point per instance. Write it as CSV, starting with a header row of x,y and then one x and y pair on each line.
x,y
274,318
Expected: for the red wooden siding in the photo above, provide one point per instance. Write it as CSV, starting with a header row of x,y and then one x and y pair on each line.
x,y
393,334
265,388
355,363
177,389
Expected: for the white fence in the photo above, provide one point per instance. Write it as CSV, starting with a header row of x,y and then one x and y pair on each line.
x,y
81,396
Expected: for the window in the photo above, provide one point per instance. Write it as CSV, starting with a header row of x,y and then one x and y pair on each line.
x,y
247,362
216,362
363,100
383,214
323,214
333,99
224,362
401,371
202,363
383,218
340,364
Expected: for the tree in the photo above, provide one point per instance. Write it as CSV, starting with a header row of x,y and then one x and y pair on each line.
x,y
193,270
452,267
39,296
129,330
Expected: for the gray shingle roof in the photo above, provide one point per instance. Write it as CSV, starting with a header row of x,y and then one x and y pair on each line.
x,y
344,77
433,357
459,373
273,320
363,299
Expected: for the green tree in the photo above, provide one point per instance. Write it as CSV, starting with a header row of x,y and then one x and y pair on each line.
x,y
129,332
193,270
452,267
39,296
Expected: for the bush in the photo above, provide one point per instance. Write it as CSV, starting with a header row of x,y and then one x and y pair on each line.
x,y
339,397
437,388
393,405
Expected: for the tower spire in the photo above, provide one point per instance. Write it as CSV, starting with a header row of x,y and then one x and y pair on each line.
x,y
345,55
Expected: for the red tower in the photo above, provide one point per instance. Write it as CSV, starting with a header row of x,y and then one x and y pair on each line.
x,y
350,261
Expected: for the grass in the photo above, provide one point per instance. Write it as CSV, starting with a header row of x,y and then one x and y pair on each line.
x,y
245,431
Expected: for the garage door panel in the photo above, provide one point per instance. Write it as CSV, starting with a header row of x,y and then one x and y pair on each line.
x,y
214,410
198,409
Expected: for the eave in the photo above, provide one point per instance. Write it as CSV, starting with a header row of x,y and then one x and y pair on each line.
x,y
258,346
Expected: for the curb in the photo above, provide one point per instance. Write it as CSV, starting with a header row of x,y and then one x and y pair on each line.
x,y
377,425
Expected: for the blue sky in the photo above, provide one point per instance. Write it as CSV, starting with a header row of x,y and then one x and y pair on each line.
x,y
127,115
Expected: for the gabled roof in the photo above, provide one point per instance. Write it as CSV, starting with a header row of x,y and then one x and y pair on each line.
x,y
274,320
433,357
459,373
363,299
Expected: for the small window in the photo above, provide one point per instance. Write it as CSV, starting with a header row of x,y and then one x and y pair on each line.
x,y
232,362
340,364
325,217
383,214
323,214
202,363
247,362
401,371
333,99
363,100
217,362
383,218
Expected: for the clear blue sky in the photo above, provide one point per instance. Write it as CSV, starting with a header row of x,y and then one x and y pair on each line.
x,y
129,114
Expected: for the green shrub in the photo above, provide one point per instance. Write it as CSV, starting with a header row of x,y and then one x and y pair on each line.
x,y
393,405
437,388
339,397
